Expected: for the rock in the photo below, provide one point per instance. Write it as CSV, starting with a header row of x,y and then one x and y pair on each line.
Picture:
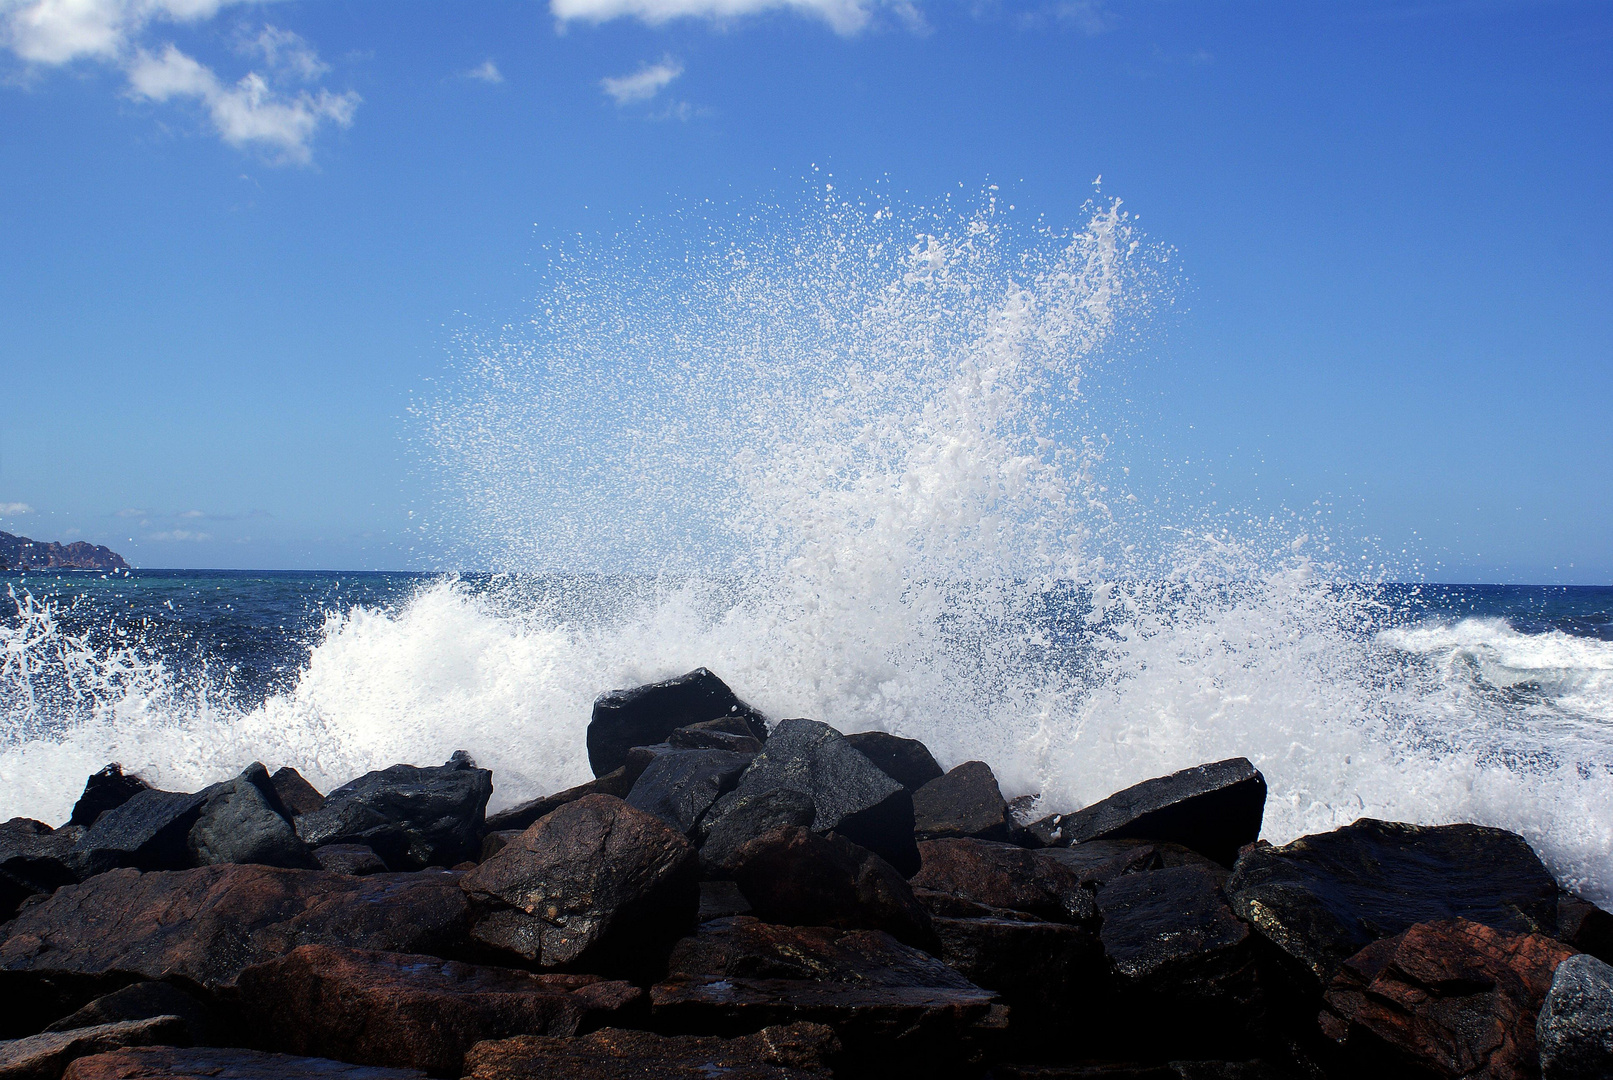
x,y
1043,970
411,817
416,1012
1325,897
103,791
1450,998
720,899
1575,1030
244,821
998,875
793,876
354,859
850,795
210,1063
33,861
1098,862
148,831
1214,809
596,883
45,1056
906,761
791,1052
884,999
740,819
1585,926
702,737
640,758
964,802
516,818
143,1001
679,787
206,924
495,842
1202,1069
646,715
297,795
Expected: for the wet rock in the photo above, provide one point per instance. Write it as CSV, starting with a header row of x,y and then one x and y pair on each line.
x,y
45,1056
297,795
103,791
680,786
1043,970
1575,1030
793,876
516,818
495,842
1325,897
998,875
736,820
408,1011
850,795
702,737
148,831
646,715
1585,926
720,899
244,821
354,859
964,802
1254,1069
221,1063
411,817
1452,998
33,861
143,1001
207,924
790,1052
1098,862
907,761
595,883
1214,809
640,758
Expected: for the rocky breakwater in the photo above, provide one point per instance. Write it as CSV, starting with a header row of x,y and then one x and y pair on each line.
x,y
737,898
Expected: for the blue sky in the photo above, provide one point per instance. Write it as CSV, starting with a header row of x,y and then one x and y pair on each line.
x,y
240,238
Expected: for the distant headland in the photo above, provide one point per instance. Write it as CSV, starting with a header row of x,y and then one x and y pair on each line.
x,y
21,553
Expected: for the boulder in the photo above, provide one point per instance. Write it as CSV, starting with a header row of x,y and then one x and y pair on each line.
x,y
206,924
736,821
1585,926
495,842
516,818
1098,862
906,761
221,1063
103,791
1200,1069
148,831
789,1052
1045,971
1575,1030
411,817
297,795
1325,897
349,859
1450,998
705,737
143,1001
1214,809
45,1056
997,875
595,883
964,802
33,861
244,821
793,876
720,899
646,715
680,786
408,1011
850,795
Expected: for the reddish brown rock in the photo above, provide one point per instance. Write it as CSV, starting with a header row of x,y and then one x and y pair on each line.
x,y
790,1052
998,875
1451,998
221,1063
44,1056
296,794
410,1011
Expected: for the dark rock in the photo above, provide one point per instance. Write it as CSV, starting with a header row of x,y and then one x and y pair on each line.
x,y
792,1052
1214,809
417,1012
1575,1029
210,1063
742,818
850,795
906,761
640,758
1043,970
349,859
680,786
149,831
793,876
411,817
244,821
720,899
143,1001
495,842
998,875
34,861
297,795
45,1056
1098,862
594,883
1325,897
964,802
731,724
516,818
1585,926
207,924
646,715
701,737
103,791
1450,998
1254,1069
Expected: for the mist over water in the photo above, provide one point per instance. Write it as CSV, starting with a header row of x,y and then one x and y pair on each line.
x,y
854,459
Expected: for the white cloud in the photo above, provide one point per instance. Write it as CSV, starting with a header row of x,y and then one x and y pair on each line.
x,y
844,16
180,535
57,31
15,509
644,83
488,72
286,53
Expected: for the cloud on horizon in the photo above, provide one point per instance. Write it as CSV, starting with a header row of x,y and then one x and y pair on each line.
x,y
643,84
15,509
844,17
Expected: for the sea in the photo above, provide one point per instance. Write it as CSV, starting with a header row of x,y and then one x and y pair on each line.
x,y
873,464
